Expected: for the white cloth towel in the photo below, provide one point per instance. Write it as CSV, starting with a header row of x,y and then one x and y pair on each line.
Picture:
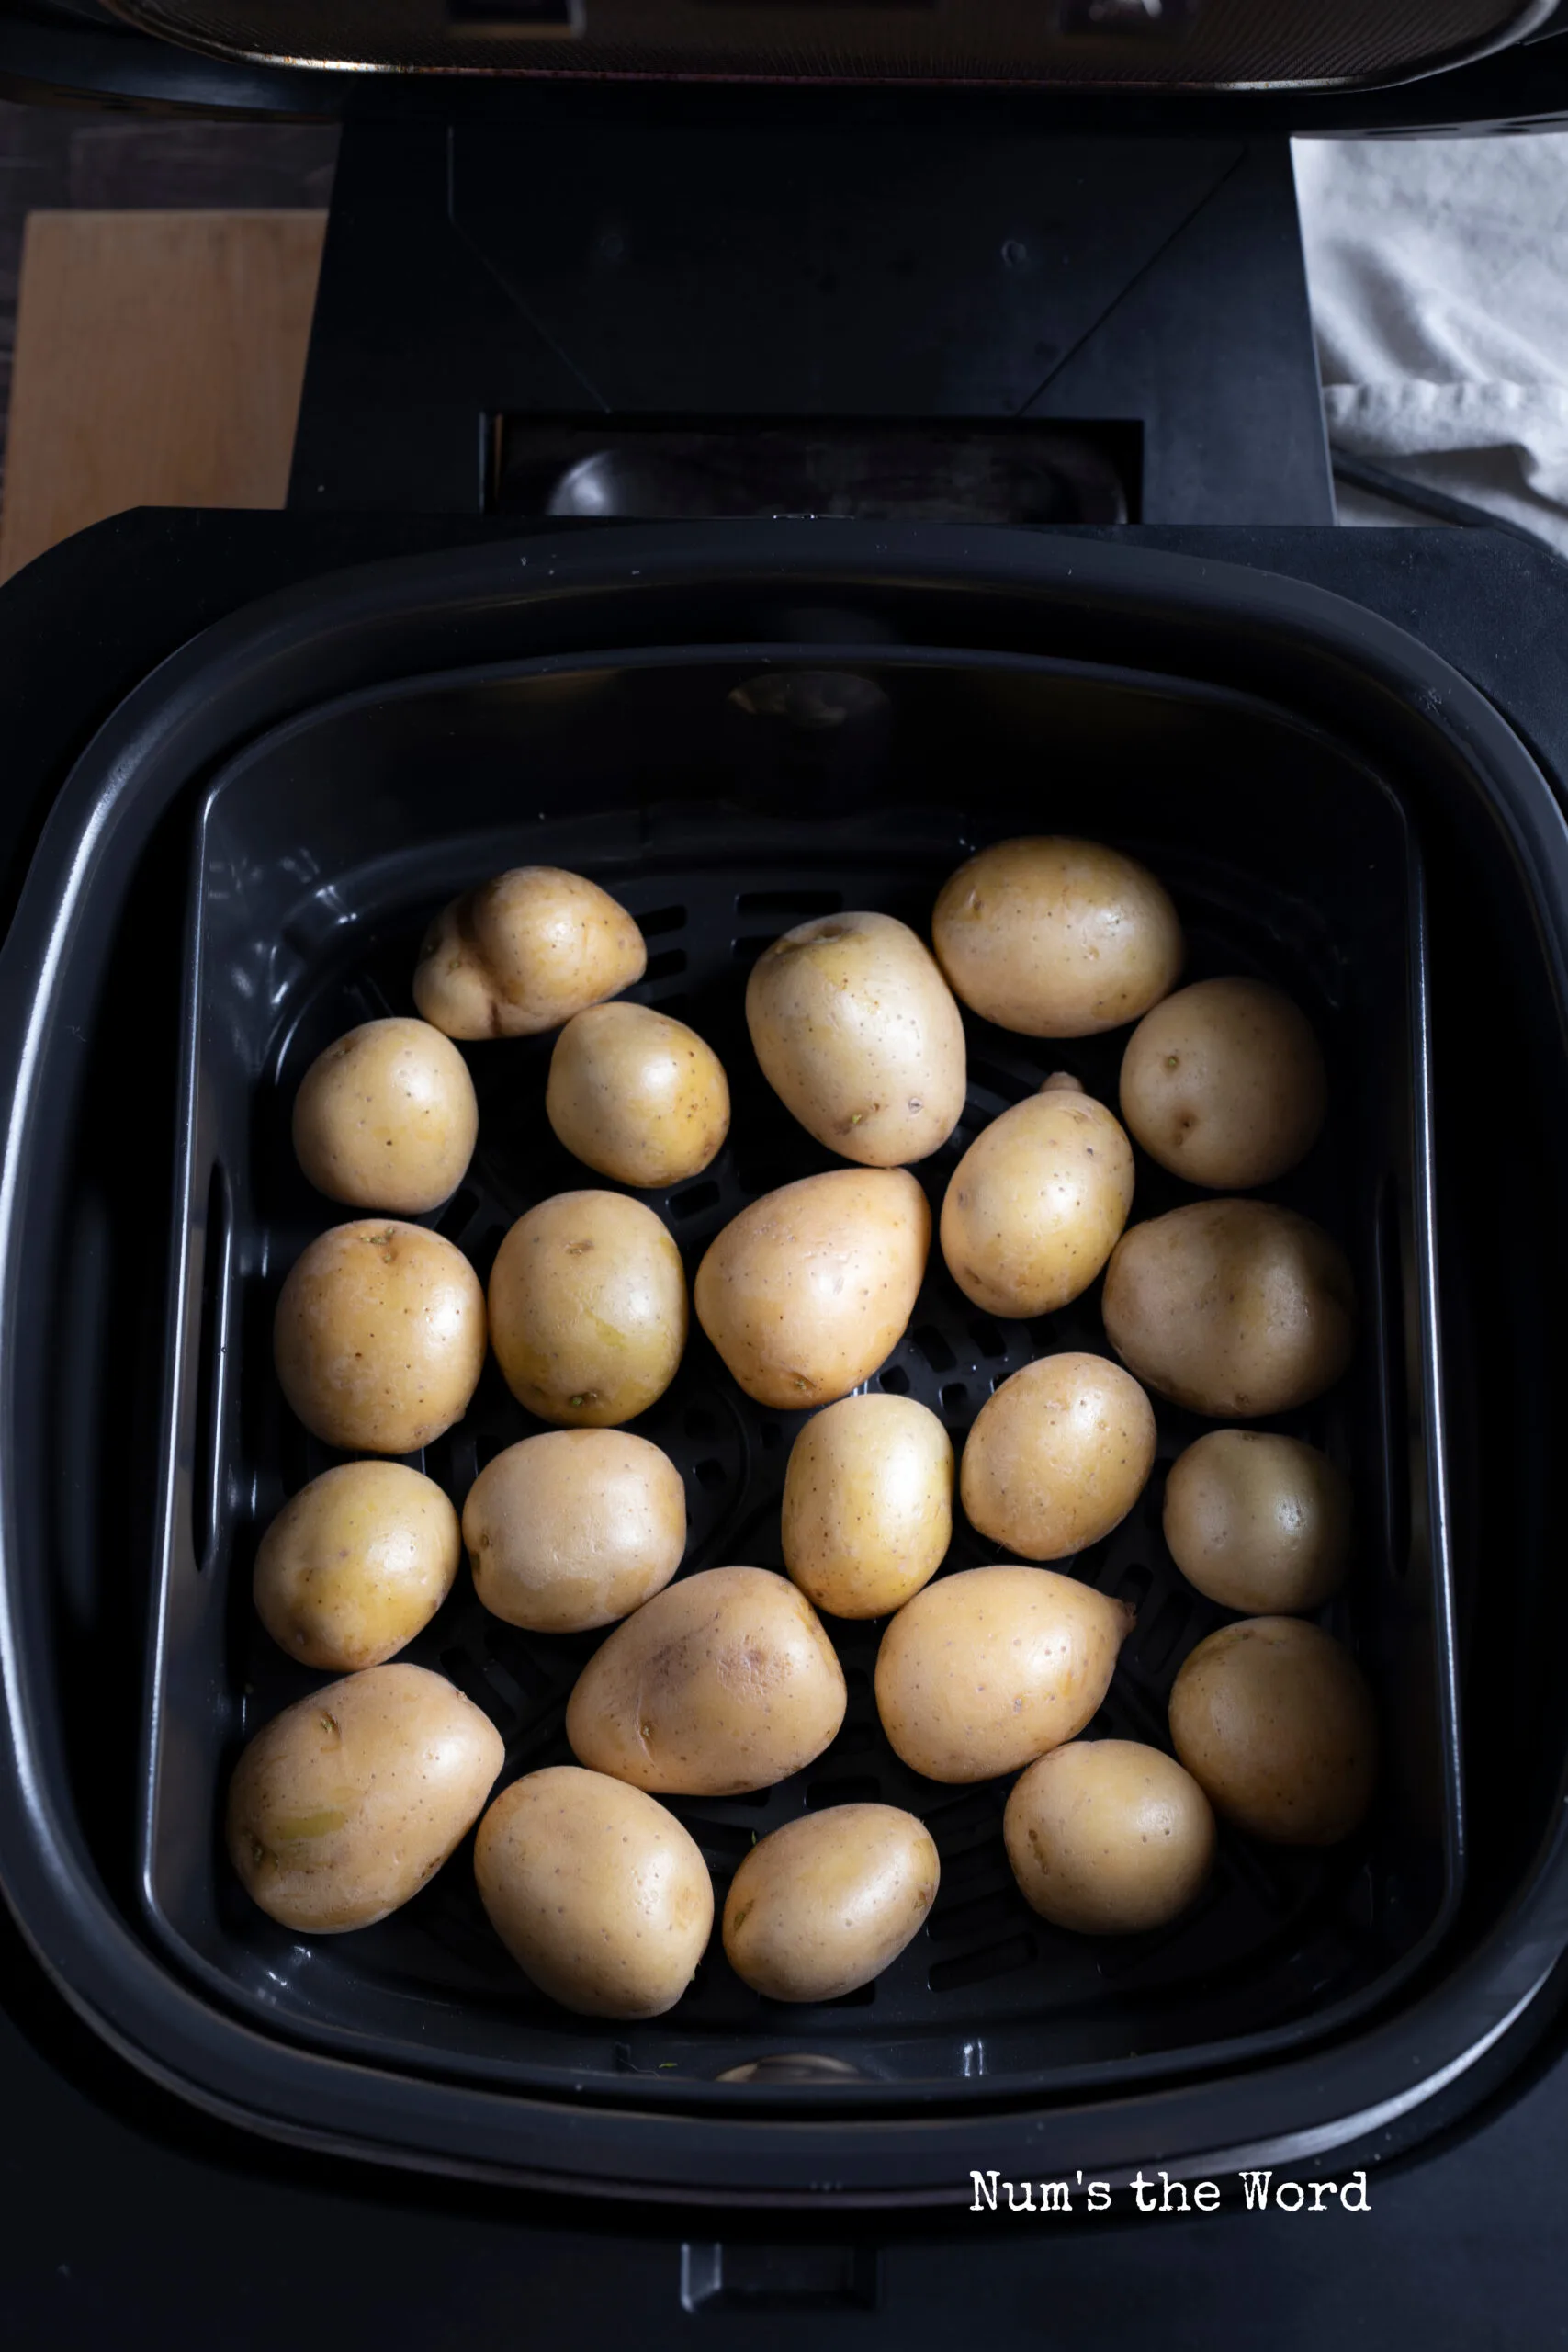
x,y
1439,273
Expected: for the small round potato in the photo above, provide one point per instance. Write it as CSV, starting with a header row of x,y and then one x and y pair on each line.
x,y
597,1892
1258,1523
346,1803
386,1118
724,1682
574,1529
1057,1456
859,1036
1037,1202
1108,1836
1056,938
636,1096
379,1336
984,1671
1224,1084
355,1564
588,1309
824,1903
524,953
1236,1308
1274,1721
807,1291
868,1504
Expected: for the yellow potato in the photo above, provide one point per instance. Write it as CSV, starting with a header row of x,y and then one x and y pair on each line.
x,y
1258,1523
636,1096
355,1564
524,953
1037,1202
807,1291
1108,1836
824,1903
868,1504
574,1529
1224,1084
724,1682
379,1336
597,1892
1058,1455
1236,1308
588,1309
344,1804
1056,938
984,1671
1274,1721
386,1118
859,1036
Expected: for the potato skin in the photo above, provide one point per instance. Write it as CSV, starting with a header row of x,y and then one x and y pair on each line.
x,y
597,1892
1236,1308
724,1682
574,1529
588,1309
1108,1836
355,1564
809,1289
1053,937
1037,1202
825,1902
525,952
1058,1455
1224,1084
386,1118
867,1504
984,1671
379,1336
1258,1523
636,1096
344,1804
858,1035
1274,1720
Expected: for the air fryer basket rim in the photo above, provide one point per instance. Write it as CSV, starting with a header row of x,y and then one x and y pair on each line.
x,y
253,669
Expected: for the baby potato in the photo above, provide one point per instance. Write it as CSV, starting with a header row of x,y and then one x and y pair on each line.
x,y
984,1671
524,953
1037,1202
723,1682
1056,938
588,1309
346,1803
355,1564
859,1036
1258,1523
597,1892
574,1529
809,1289
635,1095
1224,1083
868,1504
1236,1308
379,1336
1058,1455
1274,1721
1109,1836
824,1903
386,1118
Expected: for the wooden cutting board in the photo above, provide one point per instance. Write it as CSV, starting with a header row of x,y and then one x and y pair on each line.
x,y
159,361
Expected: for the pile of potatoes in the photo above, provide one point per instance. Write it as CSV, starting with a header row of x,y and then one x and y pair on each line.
x,y
727,1681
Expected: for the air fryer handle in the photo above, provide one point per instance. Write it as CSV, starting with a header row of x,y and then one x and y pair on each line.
x,y
751,2275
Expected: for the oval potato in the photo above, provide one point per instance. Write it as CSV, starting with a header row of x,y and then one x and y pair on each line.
x,y
1258,1523
636,1096
1037,1202
379,1336
822,1905
1058,1455
1273,1719
724,1682
867,1504
1053,937
355,1564
597,1892
809,1289
386,1118
344,1804
1109,1838
588,1309
574,1529
1224,1084
524,953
